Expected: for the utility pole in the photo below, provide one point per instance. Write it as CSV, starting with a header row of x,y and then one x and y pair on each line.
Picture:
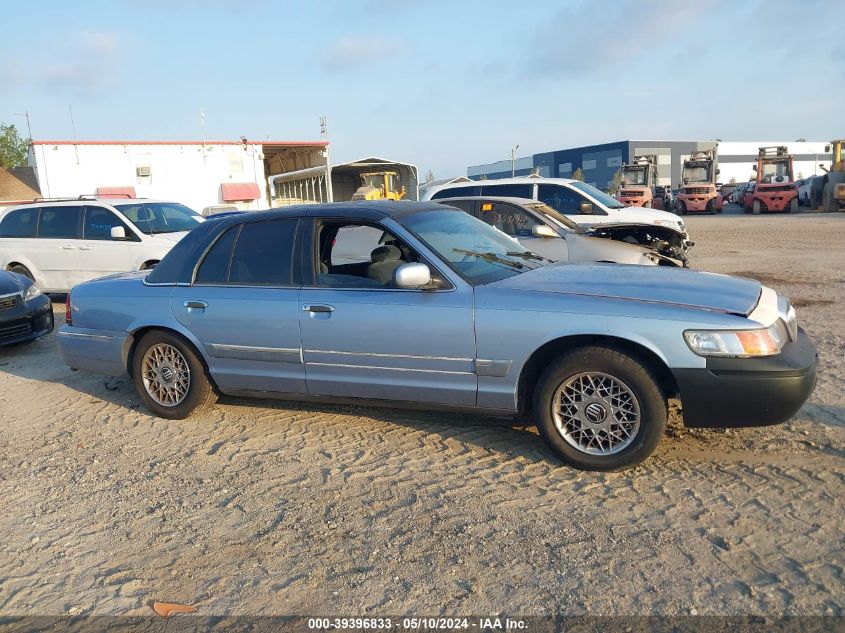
x,y
513,161
202,127
324,135
73,129
28,128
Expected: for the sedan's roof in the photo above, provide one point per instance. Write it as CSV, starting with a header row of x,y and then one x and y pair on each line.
x,y
362,210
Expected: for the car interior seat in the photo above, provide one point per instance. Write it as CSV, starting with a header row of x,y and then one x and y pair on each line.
x,y
385,260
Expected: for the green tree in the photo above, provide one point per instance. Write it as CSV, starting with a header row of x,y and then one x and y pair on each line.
x,y
616,183
578,175
13,147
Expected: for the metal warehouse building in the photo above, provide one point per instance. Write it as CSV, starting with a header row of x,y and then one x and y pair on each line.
x,y
599,163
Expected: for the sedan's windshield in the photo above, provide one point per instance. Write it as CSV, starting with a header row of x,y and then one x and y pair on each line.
x,y
160,217
480,253
600,196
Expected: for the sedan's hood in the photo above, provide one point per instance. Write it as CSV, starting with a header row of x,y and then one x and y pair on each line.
x,y
646,215
658,284
11,283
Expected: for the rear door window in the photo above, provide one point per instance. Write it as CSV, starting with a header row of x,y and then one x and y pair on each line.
x,y
20,223
508,191
60,222
263,254
215,266
457,192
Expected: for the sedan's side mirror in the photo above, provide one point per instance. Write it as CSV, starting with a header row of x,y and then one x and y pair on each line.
x,y
118,233
412,276
542,230
585,208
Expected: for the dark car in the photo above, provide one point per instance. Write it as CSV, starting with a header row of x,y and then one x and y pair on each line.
x,y
25,312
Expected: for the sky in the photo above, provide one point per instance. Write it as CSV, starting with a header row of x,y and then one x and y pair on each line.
x,y
440,84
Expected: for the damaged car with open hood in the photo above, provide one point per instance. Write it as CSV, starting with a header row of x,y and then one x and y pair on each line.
x,y
548,232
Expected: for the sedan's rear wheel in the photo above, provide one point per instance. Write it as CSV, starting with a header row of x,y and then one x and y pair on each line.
x,y
170,376
600,409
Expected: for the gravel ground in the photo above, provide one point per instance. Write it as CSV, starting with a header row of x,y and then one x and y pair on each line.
x,y
265,508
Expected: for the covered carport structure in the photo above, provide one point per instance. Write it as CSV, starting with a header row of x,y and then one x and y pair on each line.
x,y
337,183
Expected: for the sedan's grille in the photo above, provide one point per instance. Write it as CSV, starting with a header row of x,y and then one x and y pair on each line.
x,y
8,302
14,331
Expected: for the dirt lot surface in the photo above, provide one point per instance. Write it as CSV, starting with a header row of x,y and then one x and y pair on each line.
x,y
267,508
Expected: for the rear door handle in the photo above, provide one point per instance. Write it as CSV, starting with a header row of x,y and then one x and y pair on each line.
x,y
85,248
318,308
68,247
200,305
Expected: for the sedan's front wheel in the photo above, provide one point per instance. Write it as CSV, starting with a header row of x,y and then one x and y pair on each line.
x,y
600,409
170,377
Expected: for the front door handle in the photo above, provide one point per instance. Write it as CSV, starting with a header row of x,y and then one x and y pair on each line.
x,y
318,308
68,247
200,305
85,248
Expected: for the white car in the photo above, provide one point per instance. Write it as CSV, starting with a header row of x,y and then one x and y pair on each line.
x,y
61,243
546,232
805,190
580,202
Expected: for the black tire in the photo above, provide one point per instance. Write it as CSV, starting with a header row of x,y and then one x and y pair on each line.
x,y
200,393
620,366
829,203
22,270
680,208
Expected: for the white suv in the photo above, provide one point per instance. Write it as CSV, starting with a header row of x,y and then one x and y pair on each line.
x,y
60,243
582,203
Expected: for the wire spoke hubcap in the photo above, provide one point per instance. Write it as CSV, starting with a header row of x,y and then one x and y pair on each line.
x,y
596,413
165,374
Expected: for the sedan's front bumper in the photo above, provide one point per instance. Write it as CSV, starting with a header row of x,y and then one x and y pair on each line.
x,y
27,320
736,392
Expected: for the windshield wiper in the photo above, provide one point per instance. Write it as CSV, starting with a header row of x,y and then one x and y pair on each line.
x,y
491,257
529,255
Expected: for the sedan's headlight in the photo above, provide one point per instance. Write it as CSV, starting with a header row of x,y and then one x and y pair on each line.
x,y
31,292
737,343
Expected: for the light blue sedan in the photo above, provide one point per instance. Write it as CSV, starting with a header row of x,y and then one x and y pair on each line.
x,y
421,305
